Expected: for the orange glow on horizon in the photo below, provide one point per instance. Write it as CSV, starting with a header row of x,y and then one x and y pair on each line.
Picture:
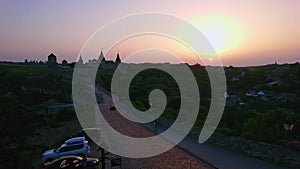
x,y
156,42
223,33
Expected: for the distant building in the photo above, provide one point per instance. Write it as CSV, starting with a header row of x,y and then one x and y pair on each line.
x,y
52,61
260,93
64,63
286,97
235,79
104,66
101,57
251,94
93,61
226,95
80,61
108,66
271,84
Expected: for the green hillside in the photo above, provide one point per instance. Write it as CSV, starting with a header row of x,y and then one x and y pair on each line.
x,y
26,91
259,98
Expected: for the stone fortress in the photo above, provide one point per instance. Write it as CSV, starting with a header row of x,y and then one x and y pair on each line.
x,y
105,67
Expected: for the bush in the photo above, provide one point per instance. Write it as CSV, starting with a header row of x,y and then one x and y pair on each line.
x,y
267,127
65,115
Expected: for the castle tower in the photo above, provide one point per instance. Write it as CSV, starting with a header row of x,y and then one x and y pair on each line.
x,y
101,57
118,60
52,60
80,61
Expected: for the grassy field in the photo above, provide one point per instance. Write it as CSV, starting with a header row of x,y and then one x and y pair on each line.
x,y
12,75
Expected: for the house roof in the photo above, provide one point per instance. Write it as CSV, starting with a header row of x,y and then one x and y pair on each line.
x,y
51,55
261,93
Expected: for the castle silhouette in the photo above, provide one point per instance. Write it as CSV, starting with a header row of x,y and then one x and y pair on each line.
x,y
105,66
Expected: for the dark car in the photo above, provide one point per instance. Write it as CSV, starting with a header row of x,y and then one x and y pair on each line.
x,y
112,107
70,162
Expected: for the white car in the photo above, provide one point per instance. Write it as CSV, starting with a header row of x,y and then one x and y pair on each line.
x,y
74,146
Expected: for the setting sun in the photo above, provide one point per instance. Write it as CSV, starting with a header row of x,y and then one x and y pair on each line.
x,y
223,34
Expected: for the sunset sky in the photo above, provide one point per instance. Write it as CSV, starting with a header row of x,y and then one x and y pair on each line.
x,y
242,32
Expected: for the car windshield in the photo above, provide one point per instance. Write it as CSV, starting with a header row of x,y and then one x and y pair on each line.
x,y
57,149
75,140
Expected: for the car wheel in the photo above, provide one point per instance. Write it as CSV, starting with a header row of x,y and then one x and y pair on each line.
x,y
82,155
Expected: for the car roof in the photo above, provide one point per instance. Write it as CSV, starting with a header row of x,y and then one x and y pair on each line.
x,y
74,140
74,144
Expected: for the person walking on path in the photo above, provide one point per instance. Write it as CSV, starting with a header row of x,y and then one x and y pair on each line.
x,y
154,124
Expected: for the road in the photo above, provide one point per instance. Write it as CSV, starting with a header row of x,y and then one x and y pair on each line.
x,y
172,159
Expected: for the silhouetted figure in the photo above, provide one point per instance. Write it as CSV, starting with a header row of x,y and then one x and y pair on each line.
x,y
155,125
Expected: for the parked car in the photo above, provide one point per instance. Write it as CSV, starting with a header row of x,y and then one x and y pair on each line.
x,y
68,162
87,133
77,148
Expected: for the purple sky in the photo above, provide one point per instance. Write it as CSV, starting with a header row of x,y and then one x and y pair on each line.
x,y
242,32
